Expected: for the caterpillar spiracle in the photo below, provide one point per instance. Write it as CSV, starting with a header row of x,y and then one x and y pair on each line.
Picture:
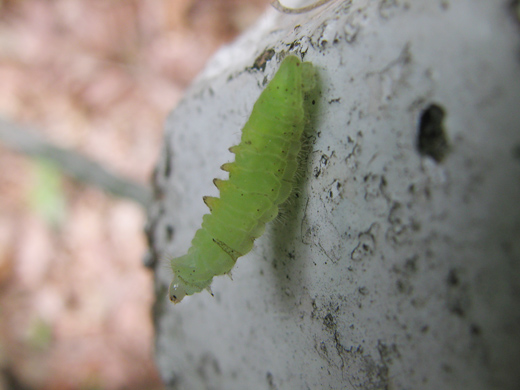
x,y
260,179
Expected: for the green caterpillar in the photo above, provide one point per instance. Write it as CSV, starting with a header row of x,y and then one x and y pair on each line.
x,y
260,179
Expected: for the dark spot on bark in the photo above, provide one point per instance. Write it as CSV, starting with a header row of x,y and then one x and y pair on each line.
x,y
432,140
453,278
169,232
270,381
262,59
475,330
328,321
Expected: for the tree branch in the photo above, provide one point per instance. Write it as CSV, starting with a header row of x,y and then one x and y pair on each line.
x,y
73,164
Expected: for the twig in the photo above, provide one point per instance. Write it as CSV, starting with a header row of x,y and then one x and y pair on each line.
x,y
73,164
279,7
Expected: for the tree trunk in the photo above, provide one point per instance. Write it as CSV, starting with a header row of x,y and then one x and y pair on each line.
x,y
396,265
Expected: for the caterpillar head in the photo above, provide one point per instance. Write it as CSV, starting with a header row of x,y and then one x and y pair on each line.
x,y
182,285
177,290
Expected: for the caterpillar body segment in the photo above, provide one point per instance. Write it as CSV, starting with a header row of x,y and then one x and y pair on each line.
x,y
260,180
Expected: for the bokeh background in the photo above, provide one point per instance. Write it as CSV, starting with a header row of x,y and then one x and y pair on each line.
x,y
97,77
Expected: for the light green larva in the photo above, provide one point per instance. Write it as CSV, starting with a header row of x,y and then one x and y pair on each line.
x,y
260,179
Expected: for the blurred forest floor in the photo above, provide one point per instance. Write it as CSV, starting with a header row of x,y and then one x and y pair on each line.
x,y
97,77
